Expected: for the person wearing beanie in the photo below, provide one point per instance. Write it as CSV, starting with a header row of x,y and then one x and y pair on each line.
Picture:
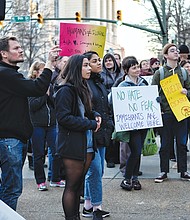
x,y
171,127
183,52
154,64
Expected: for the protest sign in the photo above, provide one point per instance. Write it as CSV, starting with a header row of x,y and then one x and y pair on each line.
x,y
178,102
80,38
135,107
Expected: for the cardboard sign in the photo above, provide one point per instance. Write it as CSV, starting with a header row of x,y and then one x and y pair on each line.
x,y
178,102
80,38
135,107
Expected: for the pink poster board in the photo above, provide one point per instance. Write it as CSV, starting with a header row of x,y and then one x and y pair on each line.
x,y
80,38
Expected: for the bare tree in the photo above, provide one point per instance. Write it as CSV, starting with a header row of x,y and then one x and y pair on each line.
x,y
180,21
34,39
177,21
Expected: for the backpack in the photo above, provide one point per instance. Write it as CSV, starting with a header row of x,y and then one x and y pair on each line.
x,y
184,73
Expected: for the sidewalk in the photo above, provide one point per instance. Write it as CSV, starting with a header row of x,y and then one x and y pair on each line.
x,y
168,200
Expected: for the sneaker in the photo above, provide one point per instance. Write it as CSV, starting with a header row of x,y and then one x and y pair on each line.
x,y
42,187
161,177
57,184
88,213
185,176
100,214
136,185
126,184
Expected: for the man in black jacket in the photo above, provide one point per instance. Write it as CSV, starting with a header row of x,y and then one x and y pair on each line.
x,y
15,124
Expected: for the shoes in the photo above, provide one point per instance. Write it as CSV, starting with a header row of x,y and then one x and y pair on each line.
x,y
42,187
110,165
136,185
97,215
100,214
88,213
185,176
161,177
140,173
126,184
57,184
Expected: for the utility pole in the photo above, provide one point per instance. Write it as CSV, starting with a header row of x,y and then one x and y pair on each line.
x,y
162,22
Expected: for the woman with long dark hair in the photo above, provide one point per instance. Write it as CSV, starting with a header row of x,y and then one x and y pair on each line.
x,y
93,179
75,120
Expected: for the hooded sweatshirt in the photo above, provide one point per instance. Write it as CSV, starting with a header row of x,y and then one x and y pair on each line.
x,y
110,77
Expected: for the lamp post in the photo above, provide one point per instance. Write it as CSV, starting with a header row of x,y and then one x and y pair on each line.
x,y
162,22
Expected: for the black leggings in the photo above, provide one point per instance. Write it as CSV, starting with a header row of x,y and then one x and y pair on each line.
x,y
75,171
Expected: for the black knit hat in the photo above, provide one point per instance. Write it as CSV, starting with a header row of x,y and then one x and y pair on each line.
x,y
183,49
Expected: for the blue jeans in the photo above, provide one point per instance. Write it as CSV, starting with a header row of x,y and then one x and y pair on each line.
x,y
93,178
171,127
40,137
12,157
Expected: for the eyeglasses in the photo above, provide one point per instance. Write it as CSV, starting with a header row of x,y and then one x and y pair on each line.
x,y
174,50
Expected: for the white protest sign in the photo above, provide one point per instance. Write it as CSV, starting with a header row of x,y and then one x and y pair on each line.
x,y
135,107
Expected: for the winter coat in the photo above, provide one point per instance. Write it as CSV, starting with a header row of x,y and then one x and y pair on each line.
x,y
42,111
101,105
129,82
72,126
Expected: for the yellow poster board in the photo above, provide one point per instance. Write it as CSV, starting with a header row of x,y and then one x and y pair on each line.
x,y
178,102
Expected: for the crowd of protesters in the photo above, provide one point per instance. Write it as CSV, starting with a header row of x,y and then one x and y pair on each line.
x,y
65,106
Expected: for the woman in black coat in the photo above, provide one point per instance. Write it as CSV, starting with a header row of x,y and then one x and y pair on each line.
x,y
42,114
93,179
75,118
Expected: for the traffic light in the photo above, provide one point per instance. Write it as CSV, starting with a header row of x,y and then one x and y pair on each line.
x,y
1,25
78,16
119,15
40,19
